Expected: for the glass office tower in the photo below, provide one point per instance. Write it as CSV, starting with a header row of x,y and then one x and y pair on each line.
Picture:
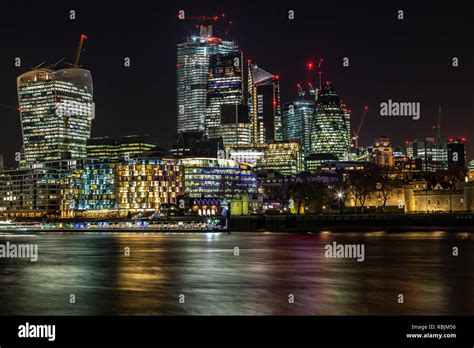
x,y
56,110
329,133
264,105
192,68
225,85
296,122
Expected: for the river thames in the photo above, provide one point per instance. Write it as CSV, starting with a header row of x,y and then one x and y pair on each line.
x,y
268,269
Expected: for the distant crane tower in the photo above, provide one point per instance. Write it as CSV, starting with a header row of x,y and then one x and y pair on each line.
x,y
77,56
355,137
313,91
301,91
309,66
203,20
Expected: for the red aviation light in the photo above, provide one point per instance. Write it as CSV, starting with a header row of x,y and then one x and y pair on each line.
x,y
366,108
83,36
214,39
276,77
310,65
463,139
274,103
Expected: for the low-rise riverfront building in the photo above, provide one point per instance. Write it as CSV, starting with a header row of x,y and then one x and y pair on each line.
x,y
217,178
285,157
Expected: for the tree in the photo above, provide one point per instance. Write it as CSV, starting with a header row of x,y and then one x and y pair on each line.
x,y
362,186
312,194
385,185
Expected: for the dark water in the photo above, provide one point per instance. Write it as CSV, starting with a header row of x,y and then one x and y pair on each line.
x,y
203,267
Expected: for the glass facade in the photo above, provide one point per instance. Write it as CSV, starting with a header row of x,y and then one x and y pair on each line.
x,y
282,157
121,186
30,192
193,67
56,110
115,148
218,178
330,131
145,184
296,122
432,153
91,186
264,105
232,134
225,85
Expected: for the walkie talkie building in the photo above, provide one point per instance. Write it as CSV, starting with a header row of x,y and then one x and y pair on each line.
x,y
56,111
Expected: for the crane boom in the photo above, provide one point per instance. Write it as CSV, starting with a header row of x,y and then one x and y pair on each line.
x,y
79,50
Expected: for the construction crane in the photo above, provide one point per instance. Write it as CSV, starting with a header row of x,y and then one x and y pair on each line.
x,y
77,56
203,20
313,91
301,91
355,137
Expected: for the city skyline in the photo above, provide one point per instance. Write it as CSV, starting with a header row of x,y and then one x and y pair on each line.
x,y
355,84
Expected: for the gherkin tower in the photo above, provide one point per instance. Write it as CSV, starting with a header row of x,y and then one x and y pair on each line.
x,y
330,126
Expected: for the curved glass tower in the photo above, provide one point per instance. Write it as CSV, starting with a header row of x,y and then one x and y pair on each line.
x,y
56,110
329,130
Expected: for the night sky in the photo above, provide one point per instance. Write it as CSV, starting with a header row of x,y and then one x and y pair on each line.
x,y
403,60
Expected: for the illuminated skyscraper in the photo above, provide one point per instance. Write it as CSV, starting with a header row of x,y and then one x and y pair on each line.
x,y
234,127
193,68
56,110
329,133
296,122
225,86
264,105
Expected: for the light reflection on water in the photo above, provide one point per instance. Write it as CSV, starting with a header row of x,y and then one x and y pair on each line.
x,y
270,266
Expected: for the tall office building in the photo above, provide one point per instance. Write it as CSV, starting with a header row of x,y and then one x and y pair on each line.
x,y
56,110
329,133
432,152
296,122
193,72
264,105
234,128
225,86
456,149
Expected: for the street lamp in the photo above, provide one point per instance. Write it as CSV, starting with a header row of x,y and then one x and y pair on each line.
x,y
340,196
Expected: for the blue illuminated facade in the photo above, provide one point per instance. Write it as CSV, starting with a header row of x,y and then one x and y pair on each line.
x,y
218,178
